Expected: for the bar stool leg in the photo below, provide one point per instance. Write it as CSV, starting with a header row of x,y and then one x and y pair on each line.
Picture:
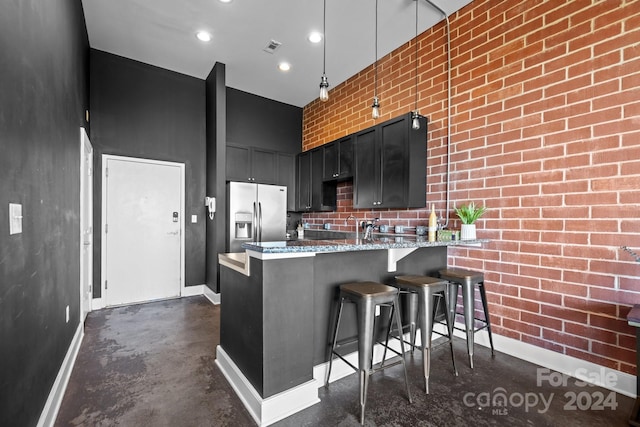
x,y
333,342
469,307
366,314
452,301
396,314
364,386
412,313
441,297
426,320
483,297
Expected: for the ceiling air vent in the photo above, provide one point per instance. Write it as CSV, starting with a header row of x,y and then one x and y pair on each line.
x,y
272,46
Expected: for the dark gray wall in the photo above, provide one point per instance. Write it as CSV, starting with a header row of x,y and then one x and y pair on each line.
x,y
43,96
216,168
254,121
139,110
260,122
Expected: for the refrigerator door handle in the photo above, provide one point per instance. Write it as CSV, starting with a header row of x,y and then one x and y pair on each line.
x,y
254,224
260,219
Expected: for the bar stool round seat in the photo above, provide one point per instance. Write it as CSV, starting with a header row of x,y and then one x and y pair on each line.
x,y
366,296
425,294
469,280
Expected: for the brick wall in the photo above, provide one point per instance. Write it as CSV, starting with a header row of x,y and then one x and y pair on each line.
x,y
546,133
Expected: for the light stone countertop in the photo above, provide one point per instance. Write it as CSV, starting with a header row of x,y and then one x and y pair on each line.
x,y
348,245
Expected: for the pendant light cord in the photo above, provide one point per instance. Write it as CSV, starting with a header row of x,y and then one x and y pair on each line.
x,y
324,38
375,85
416,52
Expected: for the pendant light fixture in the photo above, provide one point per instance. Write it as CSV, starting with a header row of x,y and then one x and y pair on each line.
x,y
375,107
415,115
324,83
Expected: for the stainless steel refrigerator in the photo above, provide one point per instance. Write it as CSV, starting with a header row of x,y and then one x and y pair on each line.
x,y
257,213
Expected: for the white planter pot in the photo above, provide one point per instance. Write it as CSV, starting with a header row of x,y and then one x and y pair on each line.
x,y
468,232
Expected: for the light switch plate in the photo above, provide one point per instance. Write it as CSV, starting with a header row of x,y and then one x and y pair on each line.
x,y
194,219
15,218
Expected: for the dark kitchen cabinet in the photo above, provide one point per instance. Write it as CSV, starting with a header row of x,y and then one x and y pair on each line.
x,y
286,175
251,164
390,165
303,182
338,159
313,194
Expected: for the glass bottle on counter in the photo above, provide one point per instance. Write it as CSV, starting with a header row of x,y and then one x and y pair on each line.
x,y
433,224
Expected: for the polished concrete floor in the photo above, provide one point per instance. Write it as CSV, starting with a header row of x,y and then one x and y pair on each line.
x,y
154,365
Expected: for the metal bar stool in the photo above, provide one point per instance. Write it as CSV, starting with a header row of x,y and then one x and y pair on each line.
x,y
366,296
468,279
424,297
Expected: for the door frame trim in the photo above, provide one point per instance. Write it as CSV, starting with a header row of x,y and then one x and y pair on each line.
x,y
103,209
86,142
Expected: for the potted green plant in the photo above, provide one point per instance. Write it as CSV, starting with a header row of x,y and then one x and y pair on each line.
x,y
468,215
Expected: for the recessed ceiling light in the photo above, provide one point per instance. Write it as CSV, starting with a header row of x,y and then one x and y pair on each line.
x,y
225,1
203,36
284,66
315,37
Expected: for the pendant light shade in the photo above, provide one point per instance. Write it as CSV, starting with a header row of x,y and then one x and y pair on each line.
x,y
324,83
415,116
415,120
375,107
324,88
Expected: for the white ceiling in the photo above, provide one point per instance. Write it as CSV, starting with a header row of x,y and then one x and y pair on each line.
x,y
162,33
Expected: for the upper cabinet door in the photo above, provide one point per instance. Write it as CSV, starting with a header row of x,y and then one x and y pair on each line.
x,y
345,157
263,166
303,182
394,157
251,164
338,159
286,175
391,165
314,194
330,161
238,163
365,182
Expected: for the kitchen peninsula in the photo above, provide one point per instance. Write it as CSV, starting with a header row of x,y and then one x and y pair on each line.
x,y
279,302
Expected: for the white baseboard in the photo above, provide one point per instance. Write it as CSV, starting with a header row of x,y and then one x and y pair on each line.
x,y
211,296
608,378
190,291
187,291
52,406
275,408
97,304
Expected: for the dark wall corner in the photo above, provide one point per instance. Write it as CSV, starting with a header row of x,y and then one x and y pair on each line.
x,y
44,74
216,113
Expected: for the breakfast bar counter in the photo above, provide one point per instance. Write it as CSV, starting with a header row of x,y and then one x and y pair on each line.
x,y
279,300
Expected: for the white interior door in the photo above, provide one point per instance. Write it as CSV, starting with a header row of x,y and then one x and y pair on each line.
x,y
142,217
86,224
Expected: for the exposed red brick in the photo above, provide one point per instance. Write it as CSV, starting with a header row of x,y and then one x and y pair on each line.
x,y
564,313
542,321
564,287
544,134
558,348
523,327
568,340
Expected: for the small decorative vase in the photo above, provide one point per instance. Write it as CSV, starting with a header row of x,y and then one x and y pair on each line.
x,y
468,232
